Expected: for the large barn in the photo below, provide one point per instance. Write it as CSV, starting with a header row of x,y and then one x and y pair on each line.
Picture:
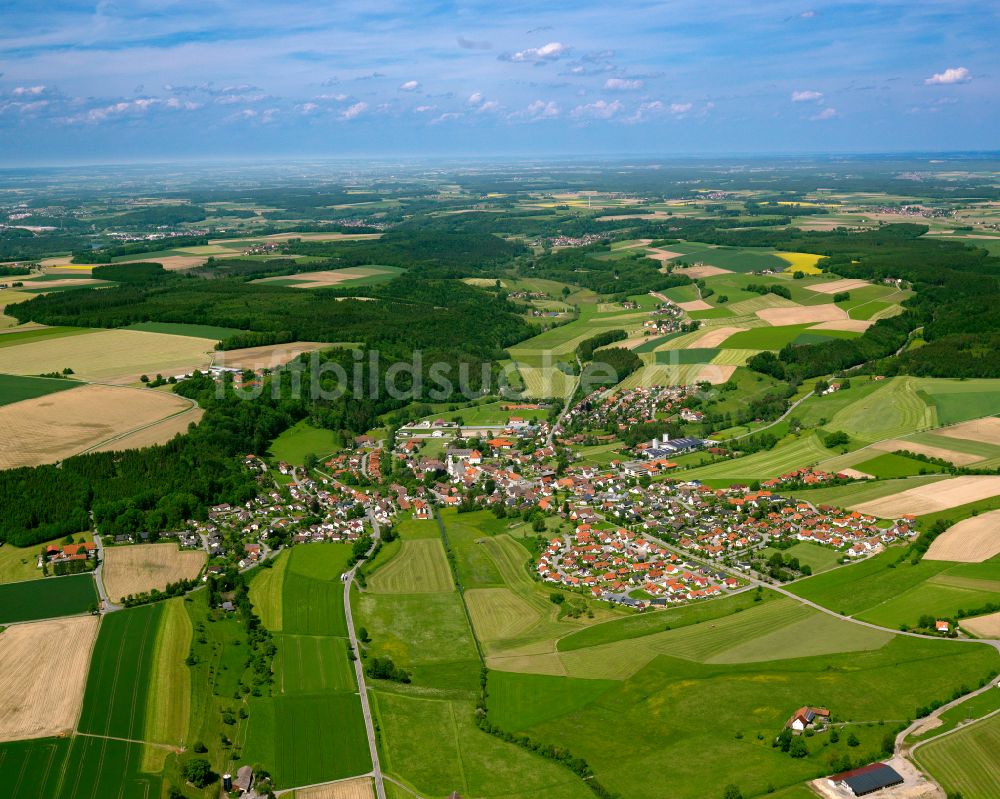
x,y
867,780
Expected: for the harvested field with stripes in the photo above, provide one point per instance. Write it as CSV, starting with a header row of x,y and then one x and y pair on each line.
x,y
44,666
109,356
56,426
970,541
986,430
137,568
934,497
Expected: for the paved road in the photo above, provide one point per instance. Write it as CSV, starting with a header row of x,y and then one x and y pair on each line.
x,y
780,419
360,672
905,751
107,606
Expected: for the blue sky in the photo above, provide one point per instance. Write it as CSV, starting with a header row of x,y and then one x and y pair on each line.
x,y
124,80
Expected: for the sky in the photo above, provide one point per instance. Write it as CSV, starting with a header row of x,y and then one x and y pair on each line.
x,y
154,80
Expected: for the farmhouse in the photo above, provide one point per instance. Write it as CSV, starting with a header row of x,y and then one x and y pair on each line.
x,y
806,717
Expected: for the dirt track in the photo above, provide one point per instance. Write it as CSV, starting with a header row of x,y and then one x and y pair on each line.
x,y
360,788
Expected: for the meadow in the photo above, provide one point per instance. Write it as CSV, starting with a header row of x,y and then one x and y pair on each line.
x,y
45,599
21,563
301,440
704,717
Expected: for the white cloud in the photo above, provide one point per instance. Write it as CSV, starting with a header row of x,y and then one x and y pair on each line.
x,y
423,109
308,108
826,113
949,76
21,91
475,98
536,55
446,117
182,105
646,111
338,97
681,108
409,86
232,98
354,111
538,109
488,107
806,96
807,14
599,110
621,84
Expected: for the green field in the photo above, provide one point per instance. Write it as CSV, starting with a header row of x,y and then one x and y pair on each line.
x,y
301,440
15,388
894,409
313,596
960,400
465,759
890,466
519,702
686,357
16,337
891,591
313,664
179,329
965,762
45,599
115,703
75,768
764,338
310,738
637,626
98,767
735,259
33,769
